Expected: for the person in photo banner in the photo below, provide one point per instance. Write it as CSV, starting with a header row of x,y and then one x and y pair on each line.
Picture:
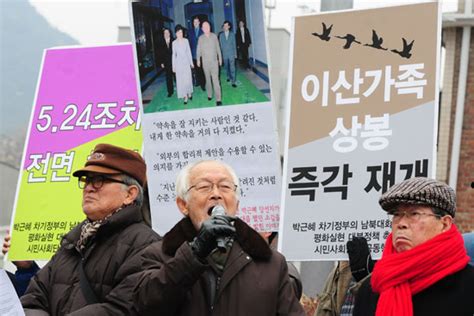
x,y
211,262
229,51
182,64
208,49
166,53
193,35
424,267
243,43
92,272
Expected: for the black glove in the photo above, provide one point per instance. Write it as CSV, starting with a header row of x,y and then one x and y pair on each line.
x,y
211,229
359,258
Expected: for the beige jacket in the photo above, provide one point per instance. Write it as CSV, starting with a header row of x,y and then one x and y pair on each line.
x,y
330,300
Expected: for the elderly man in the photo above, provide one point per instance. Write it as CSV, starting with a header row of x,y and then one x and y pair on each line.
x,y
212,264
87,276
208,49
423,270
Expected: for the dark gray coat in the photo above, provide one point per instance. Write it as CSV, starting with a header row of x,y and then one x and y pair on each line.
x,y
109,260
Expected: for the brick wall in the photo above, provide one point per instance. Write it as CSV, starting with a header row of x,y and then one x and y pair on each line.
x,y
464,191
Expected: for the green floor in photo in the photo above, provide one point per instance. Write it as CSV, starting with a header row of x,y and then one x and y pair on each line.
x,y
245,92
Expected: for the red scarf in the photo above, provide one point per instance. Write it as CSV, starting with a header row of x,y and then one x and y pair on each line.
x,y
398,276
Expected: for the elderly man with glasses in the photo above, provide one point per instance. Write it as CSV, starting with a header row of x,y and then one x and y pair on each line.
x,y
424,268
92,272
211,262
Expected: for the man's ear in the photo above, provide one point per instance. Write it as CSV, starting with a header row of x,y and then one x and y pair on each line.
x,y
132,193
182,205
447,221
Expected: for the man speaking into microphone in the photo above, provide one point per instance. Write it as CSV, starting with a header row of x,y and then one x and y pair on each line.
x,y
211,262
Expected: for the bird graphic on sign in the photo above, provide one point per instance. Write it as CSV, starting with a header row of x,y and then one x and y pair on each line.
x,y
325,34
406,51
349,40
376,41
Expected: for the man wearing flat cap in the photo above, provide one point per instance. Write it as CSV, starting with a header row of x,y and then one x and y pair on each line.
x,y
424,267
92,272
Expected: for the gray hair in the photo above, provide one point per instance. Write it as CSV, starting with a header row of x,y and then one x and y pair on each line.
x,y
182,180
129,181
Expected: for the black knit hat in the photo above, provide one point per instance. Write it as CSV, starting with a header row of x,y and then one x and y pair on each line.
x,y
420,191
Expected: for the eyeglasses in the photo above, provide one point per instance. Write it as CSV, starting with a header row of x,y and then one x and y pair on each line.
x,y
96,181
412,216
207,187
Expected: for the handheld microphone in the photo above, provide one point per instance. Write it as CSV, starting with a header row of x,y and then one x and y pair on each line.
x,y
217,211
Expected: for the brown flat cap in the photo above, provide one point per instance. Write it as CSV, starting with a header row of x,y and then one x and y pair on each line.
x,y
109,159
420,191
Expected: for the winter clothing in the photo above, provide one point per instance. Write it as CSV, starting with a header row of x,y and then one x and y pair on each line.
x,y
451,295
359,258
23,277
254,280
110,259
332,297
398,277
420,191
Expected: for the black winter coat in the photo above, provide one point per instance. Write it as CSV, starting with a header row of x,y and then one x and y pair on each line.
x,y
255,279
109,260
453,295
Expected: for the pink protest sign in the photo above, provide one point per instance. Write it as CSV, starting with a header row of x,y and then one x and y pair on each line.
x,y
85,96
84,93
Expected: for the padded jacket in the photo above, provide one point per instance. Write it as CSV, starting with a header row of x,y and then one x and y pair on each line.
x,y
110,261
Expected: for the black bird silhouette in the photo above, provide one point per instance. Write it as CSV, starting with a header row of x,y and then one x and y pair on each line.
x,y
349,40
376,41
406,49
325,34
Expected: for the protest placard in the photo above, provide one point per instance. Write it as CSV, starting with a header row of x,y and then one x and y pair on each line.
x,y
363,117
84,96
196,110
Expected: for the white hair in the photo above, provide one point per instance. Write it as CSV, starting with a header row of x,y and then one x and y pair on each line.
x,y
182,180
132,181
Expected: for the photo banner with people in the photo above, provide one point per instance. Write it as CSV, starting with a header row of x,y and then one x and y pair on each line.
x,y
84,96
363,116
205,86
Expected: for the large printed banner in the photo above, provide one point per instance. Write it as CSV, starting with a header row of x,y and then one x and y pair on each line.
x,y
242,137
85,96
363,117
206,95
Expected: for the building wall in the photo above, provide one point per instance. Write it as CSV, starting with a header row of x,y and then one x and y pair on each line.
x,y
465,193
444,130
